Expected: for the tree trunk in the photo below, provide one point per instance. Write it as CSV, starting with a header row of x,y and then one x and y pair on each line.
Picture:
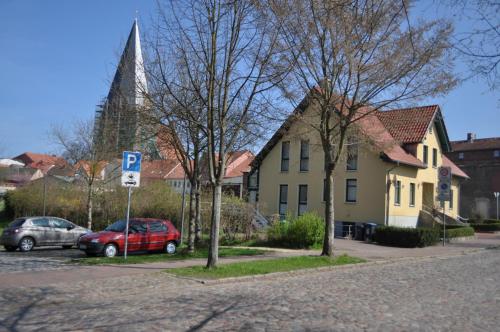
x,y
329,215
213,250
89,208
197,214
192,220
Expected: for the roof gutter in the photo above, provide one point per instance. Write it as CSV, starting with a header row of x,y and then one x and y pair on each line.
x,y
387,192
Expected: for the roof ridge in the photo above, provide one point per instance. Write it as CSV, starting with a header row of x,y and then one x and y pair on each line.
x,y
408,108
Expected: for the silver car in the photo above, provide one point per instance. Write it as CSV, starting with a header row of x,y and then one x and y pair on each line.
x,y
29,232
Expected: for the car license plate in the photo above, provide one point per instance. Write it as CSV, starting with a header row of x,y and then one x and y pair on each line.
x,y
83,246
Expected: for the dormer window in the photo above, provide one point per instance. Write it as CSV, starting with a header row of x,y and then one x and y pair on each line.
x,y
426,154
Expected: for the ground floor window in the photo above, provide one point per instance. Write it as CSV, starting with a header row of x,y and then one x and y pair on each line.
x,y
412,194
302,199
397,193
351,190
283,205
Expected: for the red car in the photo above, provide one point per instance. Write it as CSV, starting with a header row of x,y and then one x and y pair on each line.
x,y
144,235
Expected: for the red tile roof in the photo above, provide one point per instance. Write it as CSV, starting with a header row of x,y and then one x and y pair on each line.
x,y
238,163
491,143
408,125
158,169
455,170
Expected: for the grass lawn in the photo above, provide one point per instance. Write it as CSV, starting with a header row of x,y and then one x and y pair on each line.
x,y
264,266
151,258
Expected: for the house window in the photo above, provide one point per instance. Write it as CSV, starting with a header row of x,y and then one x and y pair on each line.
x,y
434,157
397,193
352,157
285,156
304,156
283,205
302,199
426,154
496,153
451,199
460,155
412,194
351,190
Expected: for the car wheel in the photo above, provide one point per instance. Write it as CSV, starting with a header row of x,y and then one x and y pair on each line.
x,y
110,250
10,248
170,248
26,244
67,247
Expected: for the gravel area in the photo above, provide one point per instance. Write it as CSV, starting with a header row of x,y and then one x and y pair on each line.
x,y
460,293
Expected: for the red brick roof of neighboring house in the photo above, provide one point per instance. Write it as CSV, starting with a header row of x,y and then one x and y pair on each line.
x,y
40,161
238,163
455,170
491,143
85,165
408,125
158,169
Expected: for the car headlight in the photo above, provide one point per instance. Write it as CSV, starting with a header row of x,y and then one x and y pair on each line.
x,y
94,240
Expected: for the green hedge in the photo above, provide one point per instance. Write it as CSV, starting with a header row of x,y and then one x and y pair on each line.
x,y
302,232
491,221
486,227
406,237
461,231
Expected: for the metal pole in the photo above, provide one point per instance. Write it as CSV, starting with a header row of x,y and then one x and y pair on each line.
x,y
44,192
444,223
497,194
182,207
128,218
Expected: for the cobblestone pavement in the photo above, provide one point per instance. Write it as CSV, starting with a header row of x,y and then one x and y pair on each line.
x,y
40,259
460,293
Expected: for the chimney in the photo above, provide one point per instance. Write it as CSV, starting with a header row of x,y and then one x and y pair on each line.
x,y
471,137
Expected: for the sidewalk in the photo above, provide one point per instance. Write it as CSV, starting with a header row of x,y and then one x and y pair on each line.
x,y
370,252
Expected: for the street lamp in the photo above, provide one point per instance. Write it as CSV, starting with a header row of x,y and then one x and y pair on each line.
x,y
496,193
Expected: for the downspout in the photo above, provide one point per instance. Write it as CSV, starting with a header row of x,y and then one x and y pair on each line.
x,y
387,193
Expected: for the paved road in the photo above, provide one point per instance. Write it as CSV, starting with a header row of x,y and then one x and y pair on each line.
x,y
460,293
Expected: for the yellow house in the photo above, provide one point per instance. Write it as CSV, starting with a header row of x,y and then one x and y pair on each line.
x,y
390,178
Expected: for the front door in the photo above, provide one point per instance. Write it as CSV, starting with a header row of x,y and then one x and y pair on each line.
x,y
428,195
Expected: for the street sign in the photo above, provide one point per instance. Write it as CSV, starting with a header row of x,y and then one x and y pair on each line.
x,y
131,169
444,183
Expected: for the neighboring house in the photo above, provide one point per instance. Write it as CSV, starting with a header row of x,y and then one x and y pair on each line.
x,y
480,158
14,177
389,177
238,166
43,162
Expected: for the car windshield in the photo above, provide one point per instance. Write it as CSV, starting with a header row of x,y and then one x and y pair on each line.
x,y
118,226
17,222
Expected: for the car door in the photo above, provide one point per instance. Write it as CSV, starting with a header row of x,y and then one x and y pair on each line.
x,y
157,235
40,231
55,232
137,237
65,228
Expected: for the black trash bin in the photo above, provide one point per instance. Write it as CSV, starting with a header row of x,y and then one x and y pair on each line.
x,y
369,231
360,232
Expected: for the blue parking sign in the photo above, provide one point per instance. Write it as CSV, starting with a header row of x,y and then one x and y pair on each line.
x,y
131,161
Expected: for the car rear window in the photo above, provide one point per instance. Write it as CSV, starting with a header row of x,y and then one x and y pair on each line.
x,y
17,222
157,227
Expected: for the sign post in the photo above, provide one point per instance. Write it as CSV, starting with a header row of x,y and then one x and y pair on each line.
x,y
444,184
496,194
131,177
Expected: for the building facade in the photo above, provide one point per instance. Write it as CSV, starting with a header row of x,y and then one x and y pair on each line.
x,y
390,178
480,158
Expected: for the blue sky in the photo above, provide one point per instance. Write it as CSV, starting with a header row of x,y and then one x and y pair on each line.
x,y
57,58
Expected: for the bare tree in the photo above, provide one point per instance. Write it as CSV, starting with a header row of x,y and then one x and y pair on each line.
x,y
224,50
352,58
480,45
81,151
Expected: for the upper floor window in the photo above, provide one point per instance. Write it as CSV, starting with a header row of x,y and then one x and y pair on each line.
x,y
434,157
283,204
412,194
302,199
285,156
460,155
304,156
496,153
426,154
352,157
351,190
397,193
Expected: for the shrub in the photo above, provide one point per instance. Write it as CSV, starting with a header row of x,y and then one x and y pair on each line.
x,y
491,221
302,232
461,231
486,227
406,237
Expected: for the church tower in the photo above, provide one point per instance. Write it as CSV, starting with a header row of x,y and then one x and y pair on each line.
x,y
119,125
